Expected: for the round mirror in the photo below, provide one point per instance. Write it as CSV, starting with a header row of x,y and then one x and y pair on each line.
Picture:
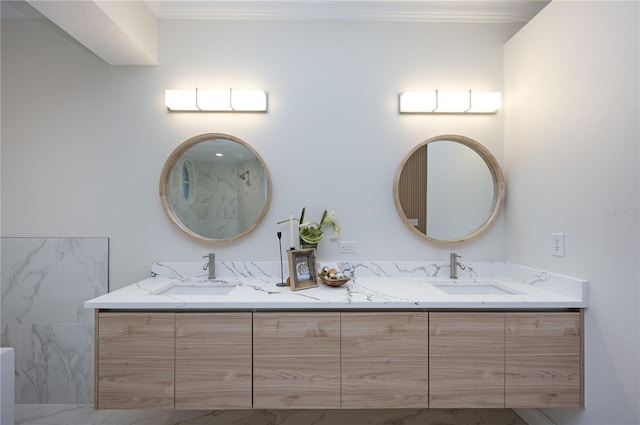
x,y
449,189
215,187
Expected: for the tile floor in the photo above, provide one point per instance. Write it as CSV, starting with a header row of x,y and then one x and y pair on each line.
x,y
66,414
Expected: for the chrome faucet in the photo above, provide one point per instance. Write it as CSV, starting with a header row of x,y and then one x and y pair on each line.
x,y
211,265
454,264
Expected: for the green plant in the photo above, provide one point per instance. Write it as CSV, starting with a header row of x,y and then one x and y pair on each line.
x,y
310,231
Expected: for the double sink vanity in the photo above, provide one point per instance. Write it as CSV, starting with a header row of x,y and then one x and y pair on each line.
x,y
397,335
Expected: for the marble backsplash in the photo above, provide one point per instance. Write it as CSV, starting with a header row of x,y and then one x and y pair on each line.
x,y
473,270
251,269
44,283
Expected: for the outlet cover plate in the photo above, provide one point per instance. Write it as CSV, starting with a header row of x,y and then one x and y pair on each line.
x,y
557,244
347,247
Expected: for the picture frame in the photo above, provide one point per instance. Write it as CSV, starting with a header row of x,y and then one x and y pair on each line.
x,y
302,268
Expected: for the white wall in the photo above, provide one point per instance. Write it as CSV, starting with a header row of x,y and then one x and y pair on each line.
x,y
83,143
571,150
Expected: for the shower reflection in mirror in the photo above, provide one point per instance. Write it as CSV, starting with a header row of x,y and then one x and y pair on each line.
x,y
245,176
215,187
188,181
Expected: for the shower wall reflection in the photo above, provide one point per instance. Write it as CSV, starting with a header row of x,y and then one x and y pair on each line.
x,y
215,187
211,198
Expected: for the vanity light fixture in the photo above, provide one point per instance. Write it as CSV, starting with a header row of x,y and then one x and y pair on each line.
x,y
228,100
439,102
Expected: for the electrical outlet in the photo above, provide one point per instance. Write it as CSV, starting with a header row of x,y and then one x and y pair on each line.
x,y
557,244
347,247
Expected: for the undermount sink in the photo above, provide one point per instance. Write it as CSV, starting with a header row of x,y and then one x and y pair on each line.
x,y
473,289
186,289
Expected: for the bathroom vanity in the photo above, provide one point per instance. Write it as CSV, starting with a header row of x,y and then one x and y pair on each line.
x,y
396,336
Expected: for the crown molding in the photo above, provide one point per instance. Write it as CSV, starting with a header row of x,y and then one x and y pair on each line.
x,y
478,11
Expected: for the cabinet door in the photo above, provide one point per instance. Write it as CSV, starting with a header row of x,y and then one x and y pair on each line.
x,y
385,360
544,362
213,361
296,361
466,364
134,360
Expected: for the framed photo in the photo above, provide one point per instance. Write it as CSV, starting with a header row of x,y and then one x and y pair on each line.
x,y
302,268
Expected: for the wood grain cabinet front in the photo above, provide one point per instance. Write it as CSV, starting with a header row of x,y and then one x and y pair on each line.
x,y
296,360
332,360
466,360
544,359
134,360
213,361
385,360
510,359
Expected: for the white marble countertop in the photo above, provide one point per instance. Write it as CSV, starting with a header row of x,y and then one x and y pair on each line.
x,y
373,285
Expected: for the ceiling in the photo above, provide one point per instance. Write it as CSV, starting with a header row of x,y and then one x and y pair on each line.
x,y
125,32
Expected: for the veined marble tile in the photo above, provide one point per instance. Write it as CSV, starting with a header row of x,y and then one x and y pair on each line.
x,y
32,281
11,338
239,269
67,414
436,269
56,363
223,417
400,417
6,340
85,415
47,280
433,269
86,273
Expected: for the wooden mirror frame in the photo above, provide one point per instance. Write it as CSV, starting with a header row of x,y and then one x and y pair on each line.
x,y
496,175
166,173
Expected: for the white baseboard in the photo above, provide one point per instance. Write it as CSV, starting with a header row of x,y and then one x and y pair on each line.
x,y
534,417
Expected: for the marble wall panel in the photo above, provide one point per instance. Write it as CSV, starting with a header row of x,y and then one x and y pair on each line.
x,y
56,363
44,283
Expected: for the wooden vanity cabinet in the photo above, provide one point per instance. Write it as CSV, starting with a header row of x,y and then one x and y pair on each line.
x,y
296,360
466,360
167,360
213,361
134,360
385,360
511,359
543,359
331,360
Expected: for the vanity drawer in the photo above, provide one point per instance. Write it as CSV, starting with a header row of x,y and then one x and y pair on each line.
x,y
296,360
385,361
466,360
134,360
213,361
544,359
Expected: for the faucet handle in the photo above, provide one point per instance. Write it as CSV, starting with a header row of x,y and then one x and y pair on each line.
x,y
210,265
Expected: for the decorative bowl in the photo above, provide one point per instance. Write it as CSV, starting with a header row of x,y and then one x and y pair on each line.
x,y
334,282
